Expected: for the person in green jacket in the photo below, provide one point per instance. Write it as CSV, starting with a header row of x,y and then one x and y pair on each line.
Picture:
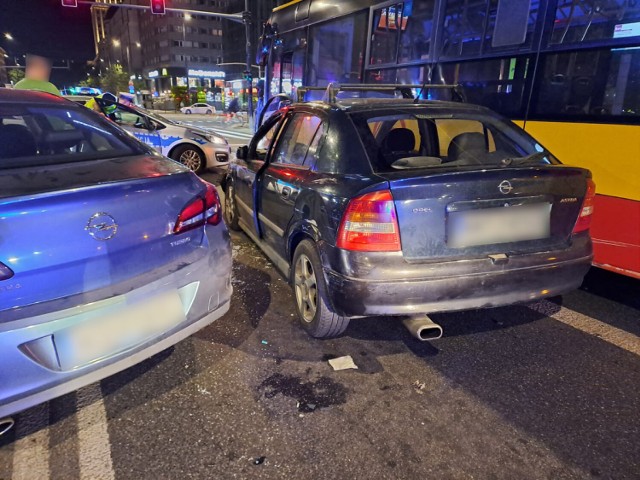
x,y
36,76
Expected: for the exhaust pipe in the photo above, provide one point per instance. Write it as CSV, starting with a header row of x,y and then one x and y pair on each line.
x,y
6,424
423,328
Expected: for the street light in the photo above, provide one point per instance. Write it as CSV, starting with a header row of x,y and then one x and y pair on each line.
x,y
116,42
8,36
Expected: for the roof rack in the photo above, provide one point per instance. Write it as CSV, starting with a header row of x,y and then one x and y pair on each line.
x,y
332,90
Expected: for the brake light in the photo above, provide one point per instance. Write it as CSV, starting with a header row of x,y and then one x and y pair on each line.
x,y
586,212
5,272
370,224
200,211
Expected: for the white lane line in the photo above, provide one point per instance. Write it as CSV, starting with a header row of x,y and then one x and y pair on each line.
x,y
31,449
94,449
608,333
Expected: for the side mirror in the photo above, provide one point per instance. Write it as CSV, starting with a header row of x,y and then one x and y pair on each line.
x,y
242,153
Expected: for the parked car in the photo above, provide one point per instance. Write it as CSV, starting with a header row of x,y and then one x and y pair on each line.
x,y
110,252
196,148
203,108
392,207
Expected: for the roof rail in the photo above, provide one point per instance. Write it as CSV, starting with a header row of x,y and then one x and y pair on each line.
x,y
332,90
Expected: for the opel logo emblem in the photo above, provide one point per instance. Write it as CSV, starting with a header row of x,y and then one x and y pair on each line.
x,y
505,187
102,226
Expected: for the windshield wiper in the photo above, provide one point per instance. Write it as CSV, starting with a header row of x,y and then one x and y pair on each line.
x,y
532,158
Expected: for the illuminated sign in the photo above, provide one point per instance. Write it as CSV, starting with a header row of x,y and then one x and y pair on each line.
x,y
153,74
206,73
623,30
164,72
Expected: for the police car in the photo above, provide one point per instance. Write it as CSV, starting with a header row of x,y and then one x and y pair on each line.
x,y
197,149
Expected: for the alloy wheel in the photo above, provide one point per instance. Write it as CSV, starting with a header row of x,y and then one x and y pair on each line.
x,y
306,288
191,159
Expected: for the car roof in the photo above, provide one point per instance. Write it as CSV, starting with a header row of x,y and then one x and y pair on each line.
x,y
11,95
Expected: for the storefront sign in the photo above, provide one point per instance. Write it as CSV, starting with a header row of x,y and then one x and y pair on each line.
x,y
154,74
206,73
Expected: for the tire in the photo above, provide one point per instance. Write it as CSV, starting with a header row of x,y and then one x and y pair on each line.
x,y
191,157
308,283
230,211
188,112
208,112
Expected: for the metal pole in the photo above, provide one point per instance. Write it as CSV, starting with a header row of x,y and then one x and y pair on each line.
x,y
186,66
246,17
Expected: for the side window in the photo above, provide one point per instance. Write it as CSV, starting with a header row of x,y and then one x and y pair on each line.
x,y
295,141
583,21
129,118
589,83
264,142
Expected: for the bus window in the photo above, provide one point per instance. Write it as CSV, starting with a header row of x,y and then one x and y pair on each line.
x,y
588,83
495,83
401,32
581,21
335,50
469,27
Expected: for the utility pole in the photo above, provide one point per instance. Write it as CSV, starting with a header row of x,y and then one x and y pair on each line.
x,y
246,18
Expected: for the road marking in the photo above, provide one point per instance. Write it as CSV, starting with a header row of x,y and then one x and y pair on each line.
x,y
616,336
31,448
94,448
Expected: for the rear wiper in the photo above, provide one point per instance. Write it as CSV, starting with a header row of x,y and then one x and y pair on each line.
x,y
533,158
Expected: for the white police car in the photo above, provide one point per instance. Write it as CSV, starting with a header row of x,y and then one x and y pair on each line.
x,y
195,148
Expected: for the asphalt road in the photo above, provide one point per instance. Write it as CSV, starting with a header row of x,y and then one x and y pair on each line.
x,y
543,391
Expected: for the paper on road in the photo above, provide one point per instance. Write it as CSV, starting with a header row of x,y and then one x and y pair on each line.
x,y
343,363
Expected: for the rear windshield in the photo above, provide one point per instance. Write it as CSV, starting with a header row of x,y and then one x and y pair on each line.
x,y
411,140
46,135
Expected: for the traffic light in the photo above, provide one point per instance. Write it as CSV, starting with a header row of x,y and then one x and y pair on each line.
x,y
69,3
247,75
157,7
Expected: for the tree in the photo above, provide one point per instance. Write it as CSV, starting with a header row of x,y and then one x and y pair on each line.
x,y
180,95
115,80
15,75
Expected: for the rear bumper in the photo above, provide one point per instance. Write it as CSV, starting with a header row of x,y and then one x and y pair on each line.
x,y
451,286
29,376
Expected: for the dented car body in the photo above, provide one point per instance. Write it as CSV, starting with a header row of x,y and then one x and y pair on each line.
x,y
110,252
408,208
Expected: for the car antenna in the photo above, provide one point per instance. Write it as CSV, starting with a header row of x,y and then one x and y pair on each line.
x,y
424,85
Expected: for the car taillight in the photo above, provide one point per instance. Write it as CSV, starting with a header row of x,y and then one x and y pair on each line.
x,y
5,272
586,212
200,211
370,224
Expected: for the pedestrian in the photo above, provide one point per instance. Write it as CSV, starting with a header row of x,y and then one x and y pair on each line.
x,y
36,76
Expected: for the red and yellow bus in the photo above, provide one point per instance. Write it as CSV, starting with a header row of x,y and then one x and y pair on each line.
x,y
568,71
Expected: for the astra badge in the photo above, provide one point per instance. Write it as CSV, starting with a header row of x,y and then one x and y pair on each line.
x,y
505,187
102,226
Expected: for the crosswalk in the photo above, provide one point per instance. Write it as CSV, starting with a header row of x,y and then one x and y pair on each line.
x,y
30,450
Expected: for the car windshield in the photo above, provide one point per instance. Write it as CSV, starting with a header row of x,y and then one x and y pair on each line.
x,y
157,117
398,140
46,135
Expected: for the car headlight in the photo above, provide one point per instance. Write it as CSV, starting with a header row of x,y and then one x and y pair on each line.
x,y
214,139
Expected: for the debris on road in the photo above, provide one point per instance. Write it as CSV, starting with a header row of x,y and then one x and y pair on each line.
x,y
264,342
343,363
259,460
419,387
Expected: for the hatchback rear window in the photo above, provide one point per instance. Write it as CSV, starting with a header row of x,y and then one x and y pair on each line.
x,y
44,135
403,140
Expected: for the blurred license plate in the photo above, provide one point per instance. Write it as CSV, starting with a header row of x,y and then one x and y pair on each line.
x,y
487,226
117,329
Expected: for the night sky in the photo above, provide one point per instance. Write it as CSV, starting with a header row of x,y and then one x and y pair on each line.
x,y
46,28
